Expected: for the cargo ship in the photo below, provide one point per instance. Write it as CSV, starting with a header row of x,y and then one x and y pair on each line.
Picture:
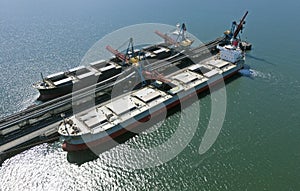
x,y
124,113
157,94
62,83
175,45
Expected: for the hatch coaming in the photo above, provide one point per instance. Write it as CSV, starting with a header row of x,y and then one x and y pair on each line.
x,y
114,112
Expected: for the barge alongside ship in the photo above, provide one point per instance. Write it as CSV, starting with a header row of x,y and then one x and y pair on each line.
x,y
157,94
37,123
176,46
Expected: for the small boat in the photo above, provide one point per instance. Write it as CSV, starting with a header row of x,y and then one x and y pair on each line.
x,y
244,45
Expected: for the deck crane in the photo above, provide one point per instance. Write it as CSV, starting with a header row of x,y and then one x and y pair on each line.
x,y
240,26
129,56
236,28
181,39
167,39
231,35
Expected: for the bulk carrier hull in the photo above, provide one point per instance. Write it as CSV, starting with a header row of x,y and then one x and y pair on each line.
x,y
135,124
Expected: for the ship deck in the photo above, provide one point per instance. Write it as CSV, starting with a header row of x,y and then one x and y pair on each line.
x,y
132,104
99,70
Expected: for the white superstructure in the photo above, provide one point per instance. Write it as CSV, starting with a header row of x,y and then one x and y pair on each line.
x,y
230,53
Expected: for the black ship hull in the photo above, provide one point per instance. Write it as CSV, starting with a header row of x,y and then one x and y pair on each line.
x,y
48,94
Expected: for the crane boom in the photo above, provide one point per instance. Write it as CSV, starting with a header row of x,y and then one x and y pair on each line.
x,y
166,38
154,75
240,26
118,54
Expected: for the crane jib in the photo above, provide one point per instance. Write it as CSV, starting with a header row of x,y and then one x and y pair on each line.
x,y
240,26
